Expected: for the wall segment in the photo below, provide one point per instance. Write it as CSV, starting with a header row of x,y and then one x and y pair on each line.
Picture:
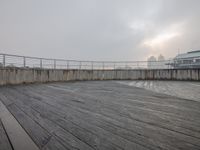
x,y
22,75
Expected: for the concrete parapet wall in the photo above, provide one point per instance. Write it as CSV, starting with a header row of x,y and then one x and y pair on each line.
x,y
20,75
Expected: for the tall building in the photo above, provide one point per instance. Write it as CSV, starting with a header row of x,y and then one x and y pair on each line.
x,y
161,58
151,62
161,62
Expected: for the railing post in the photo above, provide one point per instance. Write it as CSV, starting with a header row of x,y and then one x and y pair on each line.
x,y
67,65
4,60
114,66
92,65
54,63
41,63
103,66
80,65
24,58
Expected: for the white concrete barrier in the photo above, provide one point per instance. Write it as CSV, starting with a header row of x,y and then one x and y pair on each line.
x,y
23,75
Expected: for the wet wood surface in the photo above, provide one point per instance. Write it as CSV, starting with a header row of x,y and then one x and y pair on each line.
x,y
183,89
4,141
103,115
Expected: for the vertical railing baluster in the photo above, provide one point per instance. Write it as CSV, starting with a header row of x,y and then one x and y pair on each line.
x,y
4,60
80,63
41,63
67,65
24,58
54,63
92,65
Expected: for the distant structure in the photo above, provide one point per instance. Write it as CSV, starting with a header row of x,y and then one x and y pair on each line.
x,y
152,62
187,60
161,58
160,63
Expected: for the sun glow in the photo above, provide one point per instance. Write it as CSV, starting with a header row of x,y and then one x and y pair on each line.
x,y
160,39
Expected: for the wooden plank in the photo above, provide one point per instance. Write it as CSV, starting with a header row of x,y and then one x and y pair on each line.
x,y
94,136
70,141
54,144
188,128
49,126
170,131
38,134
103,116
3,97
70,112
13,130
76,130
174,112
4,141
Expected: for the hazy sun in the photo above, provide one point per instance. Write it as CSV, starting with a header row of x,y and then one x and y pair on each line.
x,y
160,39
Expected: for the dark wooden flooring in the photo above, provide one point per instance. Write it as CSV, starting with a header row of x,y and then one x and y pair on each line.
x,y
4,141
103,115
183,89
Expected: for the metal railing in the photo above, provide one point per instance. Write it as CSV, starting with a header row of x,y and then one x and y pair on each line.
x,y
7,60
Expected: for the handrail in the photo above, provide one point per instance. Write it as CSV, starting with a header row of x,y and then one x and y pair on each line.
x,y
32,57
10,60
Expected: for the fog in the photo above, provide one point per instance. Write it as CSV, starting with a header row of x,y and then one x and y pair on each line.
x,y
99,30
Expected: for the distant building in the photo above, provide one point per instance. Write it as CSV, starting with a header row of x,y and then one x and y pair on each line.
x,y
161,58
151,62
161,62
187,60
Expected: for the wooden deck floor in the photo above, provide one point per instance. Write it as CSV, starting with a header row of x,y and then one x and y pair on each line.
x,y
103,115
4,141
183,89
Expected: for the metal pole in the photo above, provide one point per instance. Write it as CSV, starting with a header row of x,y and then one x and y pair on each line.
x,y
41,63
103,65
67,64
4,60
92,65
54,63
24,61
114,66
80,65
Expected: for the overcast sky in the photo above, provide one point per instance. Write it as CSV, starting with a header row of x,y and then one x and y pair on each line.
x,y
99,29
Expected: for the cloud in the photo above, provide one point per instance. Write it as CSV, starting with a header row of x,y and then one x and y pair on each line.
x,y
99,29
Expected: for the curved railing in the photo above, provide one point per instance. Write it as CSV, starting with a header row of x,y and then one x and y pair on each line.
x,y
7,60
14,69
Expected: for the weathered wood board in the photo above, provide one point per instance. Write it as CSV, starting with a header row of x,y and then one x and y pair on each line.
x,y
103,115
